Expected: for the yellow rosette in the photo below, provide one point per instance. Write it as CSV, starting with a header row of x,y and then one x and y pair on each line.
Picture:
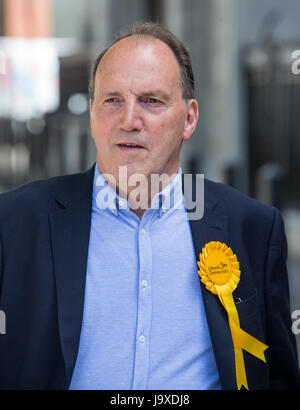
x,y
219,271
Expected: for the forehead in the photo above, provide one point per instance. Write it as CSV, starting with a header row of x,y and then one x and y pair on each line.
x,y
139,61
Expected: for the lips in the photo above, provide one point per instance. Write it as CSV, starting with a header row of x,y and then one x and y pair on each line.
x,y
130,146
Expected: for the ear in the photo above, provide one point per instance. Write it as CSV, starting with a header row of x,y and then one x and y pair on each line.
x,y
191,119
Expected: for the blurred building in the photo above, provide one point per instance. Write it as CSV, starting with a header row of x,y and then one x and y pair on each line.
x,y
236,46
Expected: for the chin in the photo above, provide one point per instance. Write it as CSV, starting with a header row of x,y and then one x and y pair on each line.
x,y
134,169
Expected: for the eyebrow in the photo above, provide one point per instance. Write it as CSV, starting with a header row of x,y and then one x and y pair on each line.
x,y
153,92
112,94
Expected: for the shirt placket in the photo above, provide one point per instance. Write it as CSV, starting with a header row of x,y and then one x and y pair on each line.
x,y
142,342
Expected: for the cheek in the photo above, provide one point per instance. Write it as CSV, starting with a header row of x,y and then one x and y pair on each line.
x,y
168,125
170,132
100,129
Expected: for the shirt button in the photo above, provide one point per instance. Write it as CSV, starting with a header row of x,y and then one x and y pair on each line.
x,y
143,231
142,339
144,283
121,203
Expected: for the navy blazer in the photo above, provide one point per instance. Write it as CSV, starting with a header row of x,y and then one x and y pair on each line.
x,y
44,240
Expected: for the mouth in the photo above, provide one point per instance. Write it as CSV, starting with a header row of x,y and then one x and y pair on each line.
x,y
130,146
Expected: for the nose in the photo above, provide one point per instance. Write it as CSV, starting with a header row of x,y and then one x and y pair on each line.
x,y
131,117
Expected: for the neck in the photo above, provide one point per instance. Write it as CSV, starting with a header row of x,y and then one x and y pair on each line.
x,y
141,195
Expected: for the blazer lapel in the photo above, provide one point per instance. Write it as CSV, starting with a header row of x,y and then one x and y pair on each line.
x,y
213,227
70,230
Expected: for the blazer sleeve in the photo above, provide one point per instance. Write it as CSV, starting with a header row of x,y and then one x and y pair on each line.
x,y
282,352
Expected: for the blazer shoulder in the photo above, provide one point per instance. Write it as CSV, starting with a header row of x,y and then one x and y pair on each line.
x,y
231,201
41,194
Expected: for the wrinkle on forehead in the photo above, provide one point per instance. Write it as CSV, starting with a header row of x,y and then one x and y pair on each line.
x,y
148,53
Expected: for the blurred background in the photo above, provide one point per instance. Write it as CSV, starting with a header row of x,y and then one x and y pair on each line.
x,y
247,83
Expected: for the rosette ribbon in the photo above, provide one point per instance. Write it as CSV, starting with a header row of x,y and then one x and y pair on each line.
x,y
219,271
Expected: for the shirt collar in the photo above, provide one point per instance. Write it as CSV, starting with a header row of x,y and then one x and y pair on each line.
x,y
170,197
105,197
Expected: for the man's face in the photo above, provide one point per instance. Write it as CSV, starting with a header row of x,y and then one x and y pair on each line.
x,y
138,101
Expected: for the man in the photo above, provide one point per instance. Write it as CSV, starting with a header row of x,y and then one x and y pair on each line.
x,y
101,292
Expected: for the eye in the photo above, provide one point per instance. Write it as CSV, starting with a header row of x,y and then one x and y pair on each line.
x,y
111,100
152,101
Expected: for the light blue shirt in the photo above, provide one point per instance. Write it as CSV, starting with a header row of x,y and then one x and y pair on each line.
x,y
144,324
